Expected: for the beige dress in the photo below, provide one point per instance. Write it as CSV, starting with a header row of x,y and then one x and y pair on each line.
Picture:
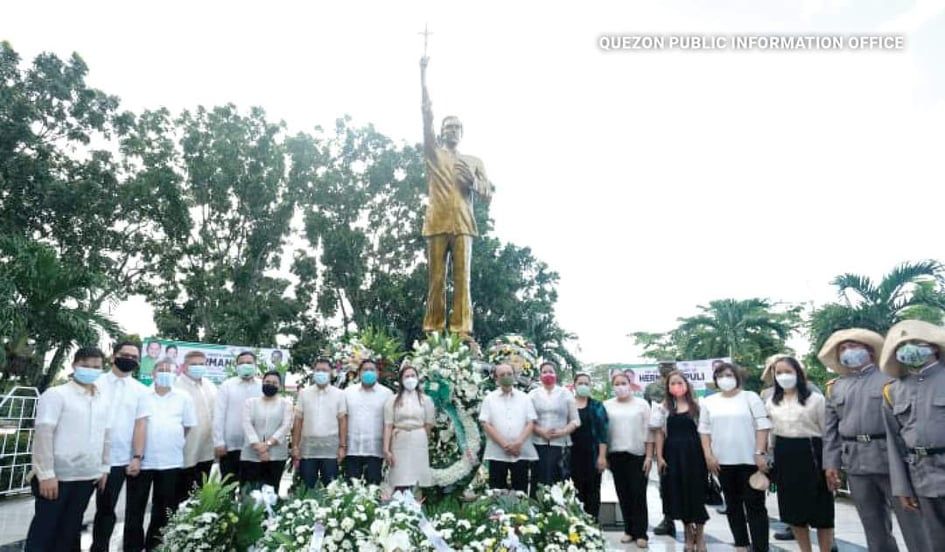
x,y
409,440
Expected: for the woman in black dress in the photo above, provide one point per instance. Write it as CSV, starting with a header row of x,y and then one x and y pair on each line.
x,y
588,446
680,459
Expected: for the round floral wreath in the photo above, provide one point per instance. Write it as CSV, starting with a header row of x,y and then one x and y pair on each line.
x,y
454,383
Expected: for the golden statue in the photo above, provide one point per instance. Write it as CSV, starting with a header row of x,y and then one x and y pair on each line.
x,y
449,226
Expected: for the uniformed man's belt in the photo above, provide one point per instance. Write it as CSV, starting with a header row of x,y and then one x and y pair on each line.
x,y
864,438
927,451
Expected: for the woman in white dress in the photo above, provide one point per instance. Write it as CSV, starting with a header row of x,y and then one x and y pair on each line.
x,y
408,419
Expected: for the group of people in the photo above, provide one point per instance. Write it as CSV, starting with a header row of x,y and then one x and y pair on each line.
x,y
104,430
880,424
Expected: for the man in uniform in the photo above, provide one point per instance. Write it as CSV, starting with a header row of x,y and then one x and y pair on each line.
x,y
915,421
855,438
654,394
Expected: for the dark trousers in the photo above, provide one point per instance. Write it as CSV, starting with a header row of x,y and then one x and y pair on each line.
x,y
57,523
105,502
550,467
230,465
586,480
368,467
742,501
164,499
499,473
630,483
257,474
318,469
191,478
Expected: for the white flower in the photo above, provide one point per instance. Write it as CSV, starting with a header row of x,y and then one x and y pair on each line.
x,y
347,524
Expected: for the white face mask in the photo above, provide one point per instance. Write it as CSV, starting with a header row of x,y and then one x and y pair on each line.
x,y
727,383
786,381
410,384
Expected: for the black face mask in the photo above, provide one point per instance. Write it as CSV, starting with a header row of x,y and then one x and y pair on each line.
x,y
126,364
269,389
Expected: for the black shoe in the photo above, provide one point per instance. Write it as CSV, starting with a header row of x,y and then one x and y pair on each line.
x,y
833,547
784,534
666,527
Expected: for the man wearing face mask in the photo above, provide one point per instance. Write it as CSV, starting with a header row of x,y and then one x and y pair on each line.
x,y
914,414
70,454
172,416
198,448
855,438
508,417
365,406
128,412
320,433
228,434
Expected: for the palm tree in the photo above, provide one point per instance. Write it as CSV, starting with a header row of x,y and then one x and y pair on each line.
x,y
746,330
43,302
910,291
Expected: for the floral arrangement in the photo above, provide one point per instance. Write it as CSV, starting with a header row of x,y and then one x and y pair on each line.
x,y
347,353
518,352
355,517
454,383
212,520
337,517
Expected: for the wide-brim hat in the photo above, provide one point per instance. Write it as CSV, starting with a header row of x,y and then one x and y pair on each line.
x,y
908,330
759,481
828,353
767,376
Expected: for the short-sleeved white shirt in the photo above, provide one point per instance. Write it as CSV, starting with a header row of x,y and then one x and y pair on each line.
x,y
127,400
555,410
164,445
508,413
79,420
366,419
732,422
320,411
628,424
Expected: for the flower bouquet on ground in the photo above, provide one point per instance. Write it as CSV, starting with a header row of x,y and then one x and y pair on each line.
x,y
564,524
212,520
498,520
336,517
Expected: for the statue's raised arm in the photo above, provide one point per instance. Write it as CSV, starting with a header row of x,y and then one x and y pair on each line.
x,y
429,137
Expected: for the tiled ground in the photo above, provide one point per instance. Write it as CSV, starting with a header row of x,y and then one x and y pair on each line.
x,y
15,515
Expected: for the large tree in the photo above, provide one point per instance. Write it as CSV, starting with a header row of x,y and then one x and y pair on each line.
x,y
84,183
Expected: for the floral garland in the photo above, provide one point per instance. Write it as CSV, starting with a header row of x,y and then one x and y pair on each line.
x,y
518,352
454,383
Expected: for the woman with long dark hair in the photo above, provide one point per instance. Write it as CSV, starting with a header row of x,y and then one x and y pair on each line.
x,y
804,500
680,459
408,418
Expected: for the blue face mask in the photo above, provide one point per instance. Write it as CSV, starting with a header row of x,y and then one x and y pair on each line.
x,y
914,356
854,358
197,371
246,370
164,379
369,377
85,374
321,378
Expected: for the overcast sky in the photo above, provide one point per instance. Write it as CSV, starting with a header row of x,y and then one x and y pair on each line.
x,y
651,181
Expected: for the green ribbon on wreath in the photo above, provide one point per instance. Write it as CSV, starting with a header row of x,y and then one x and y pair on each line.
x,y
438,388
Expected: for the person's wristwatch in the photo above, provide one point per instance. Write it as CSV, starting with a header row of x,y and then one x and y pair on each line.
x,y
761,453
138,457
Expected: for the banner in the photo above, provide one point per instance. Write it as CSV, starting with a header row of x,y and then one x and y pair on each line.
x,y
698,372
221,359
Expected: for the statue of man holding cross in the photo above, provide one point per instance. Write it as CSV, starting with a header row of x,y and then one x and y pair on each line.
x,y
453,179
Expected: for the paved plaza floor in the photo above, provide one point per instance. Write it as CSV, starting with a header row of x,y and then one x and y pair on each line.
x,y
15,515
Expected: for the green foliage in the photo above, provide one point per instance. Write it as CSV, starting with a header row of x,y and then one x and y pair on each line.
x,y
213,519
746,330
912,290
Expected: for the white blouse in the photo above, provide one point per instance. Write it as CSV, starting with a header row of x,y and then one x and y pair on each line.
x,y
628,425
265,419
732,423
793,419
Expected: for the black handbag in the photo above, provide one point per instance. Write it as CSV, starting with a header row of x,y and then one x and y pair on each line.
x,y
713,492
